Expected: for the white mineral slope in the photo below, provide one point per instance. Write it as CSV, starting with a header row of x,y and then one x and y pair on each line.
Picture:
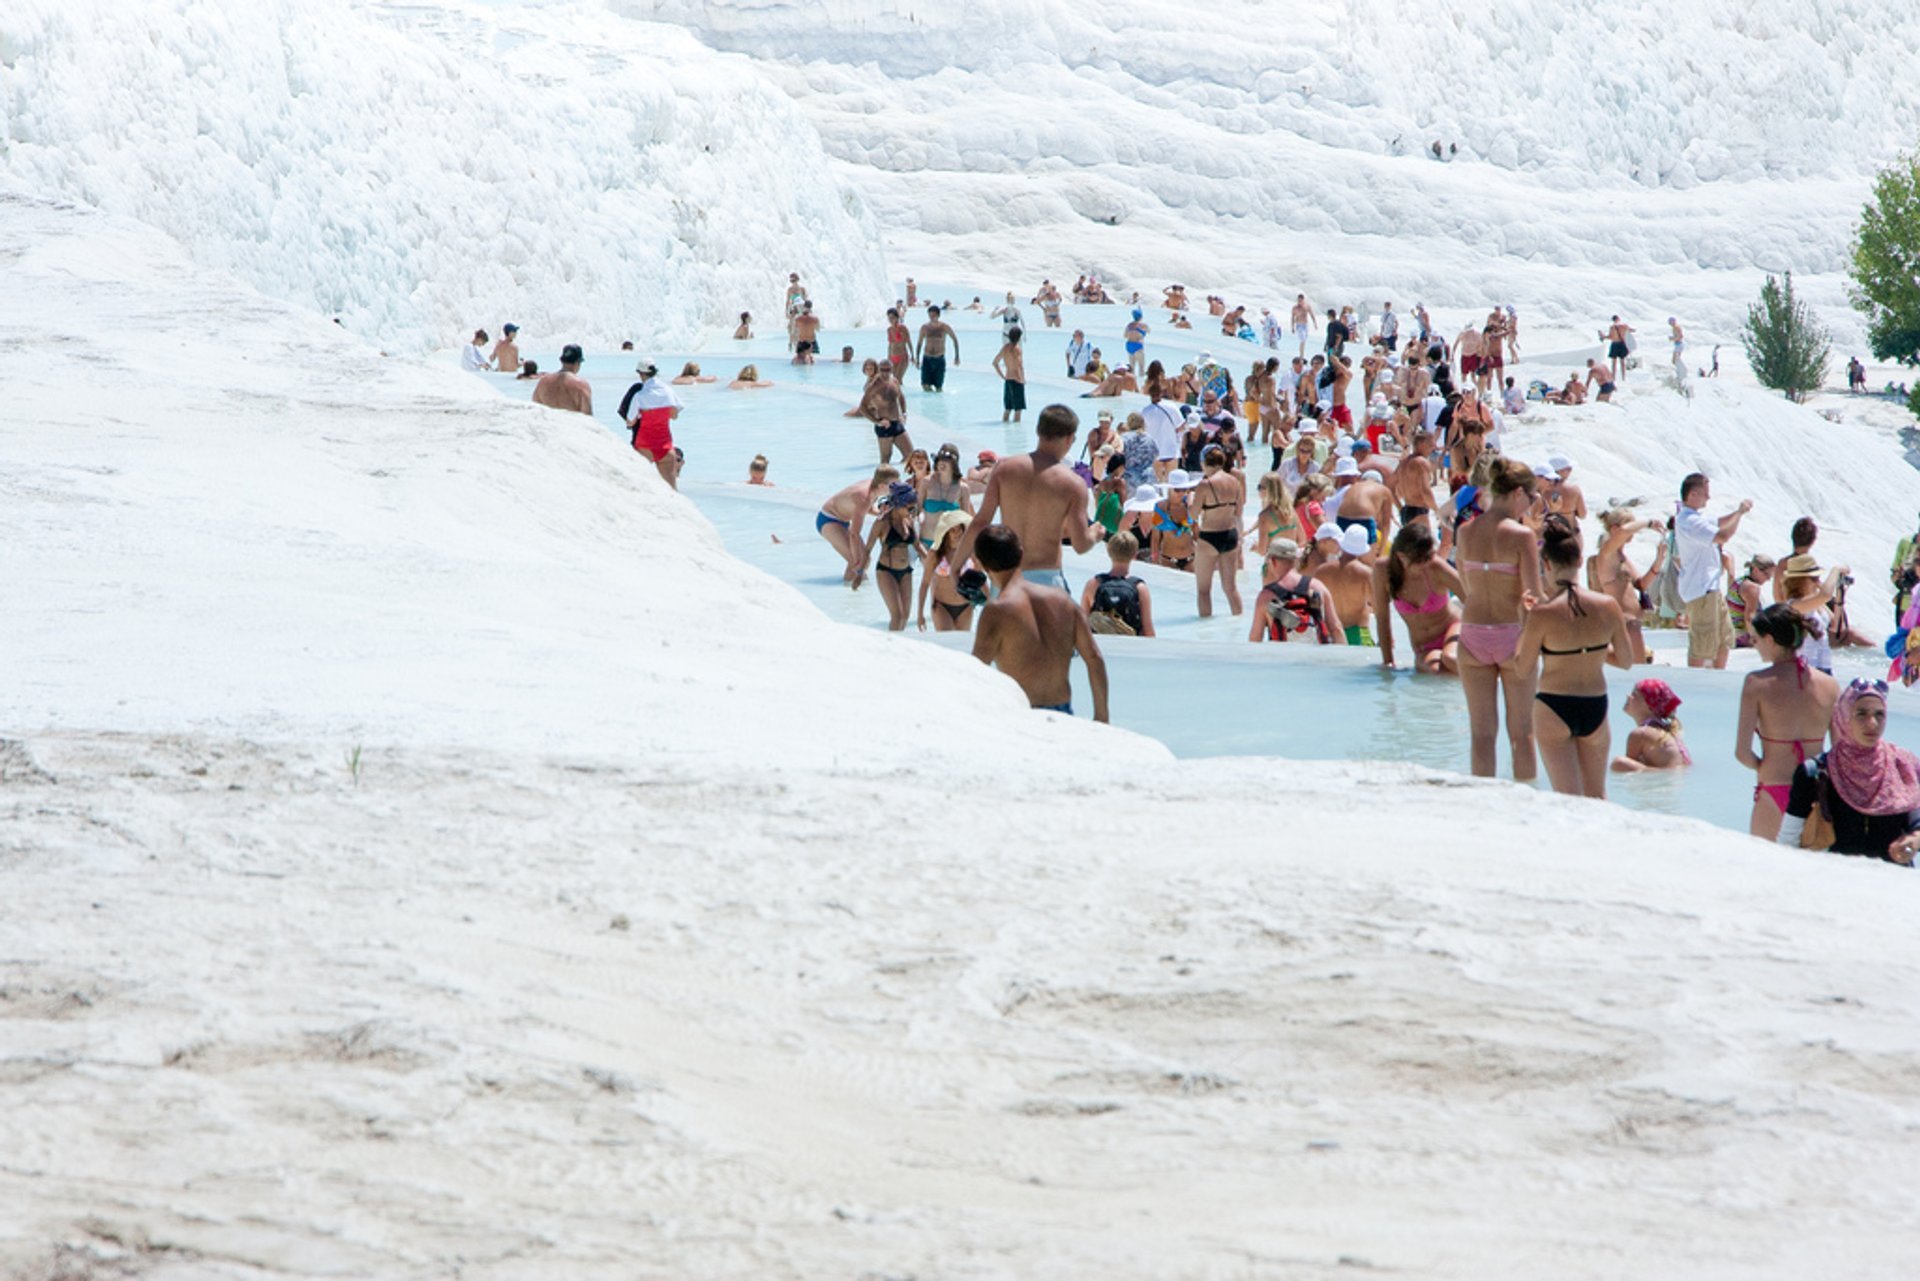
x,y
228,516
422,169
1640,155
608,960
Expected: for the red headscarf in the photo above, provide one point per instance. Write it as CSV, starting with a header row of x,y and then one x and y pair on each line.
x,y
1882,779
1660,698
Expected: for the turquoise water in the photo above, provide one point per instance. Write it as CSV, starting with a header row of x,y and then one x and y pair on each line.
x,y
1198,687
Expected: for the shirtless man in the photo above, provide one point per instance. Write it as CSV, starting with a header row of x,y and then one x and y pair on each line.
x,y
1675,334
1363,502
1349,582
564,388
1041,498
506,352
1011,364
930,351
1412,483
1371,463
1561,495
1467,347
1302,321
1031,631
1414,379
884,404
1617,352
806,335
913,293
1602,377
1342,378
842,518
1118,382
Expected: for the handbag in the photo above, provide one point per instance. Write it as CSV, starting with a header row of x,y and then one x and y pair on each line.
x,y
1817,834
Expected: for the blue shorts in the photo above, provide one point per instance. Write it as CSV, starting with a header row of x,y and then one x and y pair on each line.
x,y
1047,578
1065,709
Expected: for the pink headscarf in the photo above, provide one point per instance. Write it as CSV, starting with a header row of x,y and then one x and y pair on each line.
x,y
1882,779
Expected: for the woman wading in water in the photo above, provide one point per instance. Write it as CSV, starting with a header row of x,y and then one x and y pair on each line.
x,y
1571,637
1498,564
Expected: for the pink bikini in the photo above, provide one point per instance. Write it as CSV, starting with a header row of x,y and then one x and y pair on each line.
x,y
1490,643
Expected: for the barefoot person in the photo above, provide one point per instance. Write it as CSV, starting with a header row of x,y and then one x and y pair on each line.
x,y
1011,365
899,346
1038,495
1498,565
1031,631
1787,706
844,516
1419,586
898,533
930,351
884,405
648,409
1221,496
565,388
806,335
1571,636
1867,789
1655,743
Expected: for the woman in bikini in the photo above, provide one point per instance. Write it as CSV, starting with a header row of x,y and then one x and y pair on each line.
x,y
941,490
952,612
1173,523
749,379
1498,564
897,532
1571,636
1786,705
1616,576
899,344
1276,518
1222,496
1420,587
1655,743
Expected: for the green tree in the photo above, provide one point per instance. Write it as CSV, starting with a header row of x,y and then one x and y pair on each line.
x,y
1886,266
1786,346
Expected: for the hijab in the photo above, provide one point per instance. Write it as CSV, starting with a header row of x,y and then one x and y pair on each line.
x,y
1882,779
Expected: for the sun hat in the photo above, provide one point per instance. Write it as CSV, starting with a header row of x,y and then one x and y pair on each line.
x,y
1144,497
1545,472
1356,541
1283,549
1659,696
1179,479
1560,462
1327,530
1802,566
1346,467
944,524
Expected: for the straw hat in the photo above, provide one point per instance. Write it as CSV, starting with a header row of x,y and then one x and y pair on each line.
x,y
944,524
1802,566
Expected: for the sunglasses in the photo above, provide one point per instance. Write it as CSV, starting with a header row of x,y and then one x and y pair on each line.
x,y
1862,685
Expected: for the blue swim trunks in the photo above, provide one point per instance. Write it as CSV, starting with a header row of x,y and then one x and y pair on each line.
x,y
1065,709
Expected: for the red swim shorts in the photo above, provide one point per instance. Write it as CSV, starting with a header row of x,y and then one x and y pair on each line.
x,y
1469,366
1342,415
654,436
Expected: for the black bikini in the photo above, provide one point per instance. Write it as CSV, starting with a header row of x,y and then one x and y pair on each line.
x,y
1221,540
1582,714
954,611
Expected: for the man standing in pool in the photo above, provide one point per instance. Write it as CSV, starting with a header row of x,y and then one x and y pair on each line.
x,y
565,389
1041,498
1031,631
806,335
930,350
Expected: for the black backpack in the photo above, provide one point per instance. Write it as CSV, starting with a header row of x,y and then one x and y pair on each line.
x,y
1119,597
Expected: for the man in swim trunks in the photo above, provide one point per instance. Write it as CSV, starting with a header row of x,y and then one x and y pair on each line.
x,y
1338,335
1041,498
565,389
1617,350
1467,347
842,520
806,335
1350,583
884,404
1011,364
1030,630
1412,482
930,350
1360,501
1597,375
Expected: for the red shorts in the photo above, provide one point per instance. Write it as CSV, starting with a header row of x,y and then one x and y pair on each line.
x,y
1496,361
654,436
1374,432
1342,415
1469,366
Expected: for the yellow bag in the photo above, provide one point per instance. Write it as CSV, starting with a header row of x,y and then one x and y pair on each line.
x,y
1818,832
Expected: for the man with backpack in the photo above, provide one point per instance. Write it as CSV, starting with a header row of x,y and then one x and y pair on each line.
x,y
1117,603
1293,604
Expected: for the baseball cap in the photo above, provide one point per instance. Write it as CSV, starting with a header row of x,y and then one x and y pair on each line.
x,y
1283,549
571,354
509,328
988,456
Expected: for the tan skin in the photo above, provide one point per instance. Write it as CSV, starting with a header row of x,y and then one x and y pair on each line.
x,y
1423,578
1288,573
1120,569
943,588
1573,617
1622,582
1031,633
1219,499
1412,483
1786,702
1041,500
1648,747
1350,583
1499,537
895,523
851,505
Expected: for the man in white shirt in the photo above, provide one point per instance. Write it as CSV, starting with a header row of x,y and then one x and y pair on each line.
x,y
474,358
1703,582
